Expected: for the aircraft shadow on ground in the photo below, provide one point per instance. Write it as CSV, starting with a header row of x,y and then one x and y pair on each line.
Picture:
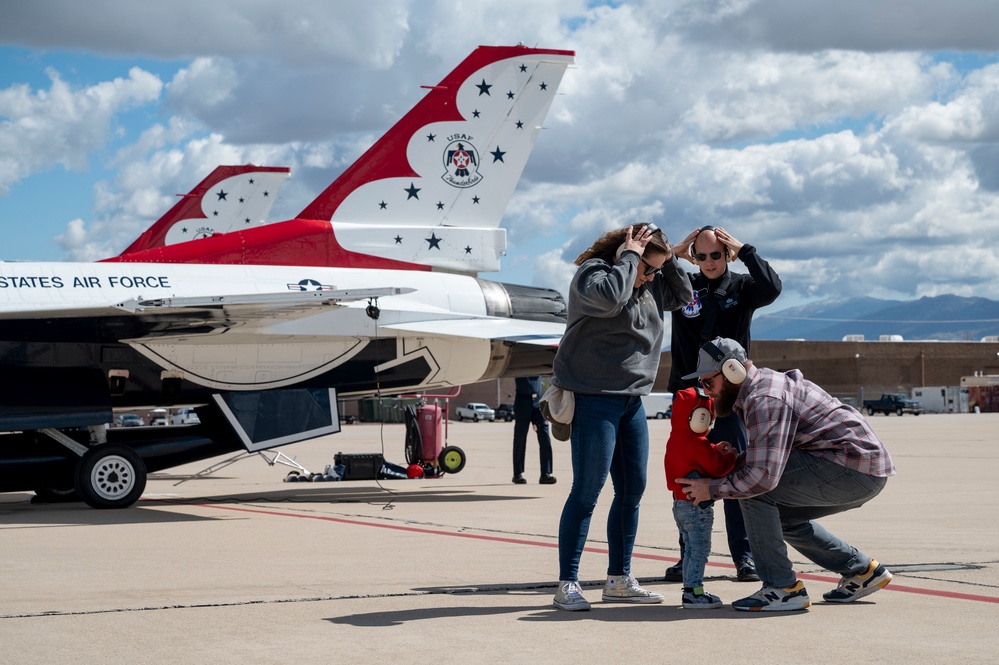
x,y
77,513
347,492
16,506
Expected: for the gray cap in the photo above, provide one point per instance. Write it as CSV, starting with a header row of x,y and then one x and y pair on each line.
x,y
711,355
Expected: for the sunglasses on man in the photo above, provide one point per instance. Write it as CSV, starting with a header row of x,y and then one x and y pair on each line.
x,y
715,256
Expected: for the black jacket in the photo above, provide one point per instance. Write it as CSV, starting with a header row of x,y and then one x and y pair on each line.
x,y
721,307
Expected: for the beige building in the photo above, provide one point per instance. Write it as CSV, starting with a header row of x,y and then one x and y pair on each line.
x,y
851,371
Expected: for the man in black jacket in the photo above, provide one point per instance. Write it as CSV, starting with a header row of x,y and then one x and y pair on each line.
x,y
723,306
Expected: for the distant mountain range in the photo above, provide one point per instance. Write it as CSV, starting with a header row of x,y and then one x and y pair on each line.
x,y
952,318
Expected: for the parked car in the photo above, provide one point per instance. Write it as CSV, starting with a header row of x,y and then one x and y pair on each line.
x,y
129,420
185,417
475,411
158,417
504,412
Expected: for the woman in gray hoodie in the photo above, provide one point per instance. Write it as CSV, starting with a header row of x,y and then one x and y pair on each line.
x,y
608,358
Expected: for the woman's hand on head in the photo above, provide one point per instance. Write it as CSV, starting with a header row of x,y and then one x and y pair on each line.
x,y
635,240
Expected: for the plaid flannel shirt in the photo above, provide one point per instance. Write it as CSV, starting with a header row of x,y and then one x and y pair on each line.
x,y
784,411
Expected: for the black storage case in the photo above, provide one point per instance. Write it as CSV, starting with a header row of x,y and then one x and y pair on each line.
x,y
360,466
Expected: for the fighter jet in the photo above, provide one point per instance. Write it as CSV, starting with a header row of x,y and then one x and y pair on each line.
x,y
372,290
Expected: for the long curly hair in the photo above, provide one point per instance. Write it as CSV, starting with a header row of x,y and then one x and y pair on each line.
x,y
605,247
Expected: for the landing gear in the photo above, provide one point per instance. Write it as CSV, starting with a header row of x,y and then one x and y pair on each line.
x,y
110,476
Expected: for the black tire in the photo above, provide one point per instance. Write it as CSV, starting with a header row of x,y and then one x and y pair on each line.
x,y
660,415
870,410
475,418
461,418
898,411
451,459
110,476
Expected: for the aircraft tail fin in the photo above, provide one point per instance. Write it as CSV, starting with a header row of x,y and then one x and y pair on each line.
x,y
434,188
229,199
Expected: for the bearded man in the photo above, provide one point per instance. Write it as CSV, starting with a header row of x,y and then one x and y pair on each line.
x,y
808,455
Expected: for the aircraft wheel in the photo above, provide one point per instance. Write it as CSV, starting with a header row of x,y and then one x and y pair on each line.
x,y
110,476
452,459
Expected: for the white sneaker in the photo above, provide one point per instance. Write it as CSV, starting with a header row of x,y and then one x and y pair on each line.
x,y
625,589
570,597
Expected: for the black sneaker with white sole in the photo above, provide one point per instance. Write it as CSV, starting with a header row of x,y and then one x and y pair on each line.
x,y
857,586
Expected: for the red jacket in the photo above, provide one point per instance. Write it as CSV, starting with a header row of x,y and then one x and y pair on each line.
x,y
687,451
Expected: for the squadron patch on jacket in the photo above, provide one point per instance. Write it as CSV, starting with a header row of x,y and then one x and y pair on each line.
x,y
693,309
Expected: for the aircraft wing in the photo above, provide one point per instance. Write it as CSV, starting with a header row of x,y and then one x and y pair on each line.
x,y
233,309
203,315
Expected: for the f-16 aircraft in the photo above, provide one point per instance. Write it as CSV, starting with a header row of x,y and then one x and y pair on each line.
x,y
372,289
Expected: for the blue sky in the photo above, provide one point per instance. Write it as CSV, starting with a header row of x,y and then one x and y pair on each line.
x,y
856,145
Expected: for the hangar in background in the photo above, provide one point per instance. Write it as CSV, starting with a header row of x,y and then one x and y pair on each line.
x,y
849,370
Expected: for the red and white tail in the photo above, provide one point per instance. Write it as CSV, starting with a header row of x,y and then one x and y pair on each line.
x,y
430,194
231,198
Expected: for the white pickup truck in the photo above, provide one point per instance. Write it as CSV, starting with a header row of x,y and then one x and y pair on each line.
x,y
475,411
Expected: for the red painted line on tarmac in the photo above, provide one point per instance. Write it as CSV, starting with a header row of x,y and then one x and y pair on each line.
x,y
537,543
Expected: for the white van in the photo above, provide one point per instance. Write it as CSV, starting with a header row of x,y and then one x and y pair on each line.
x,y
658,405
185,417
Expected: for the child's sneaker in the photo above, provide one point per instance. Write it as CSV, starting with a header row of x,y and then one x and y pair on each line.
x,y
700,601
570,597
851,588
771,599
625,589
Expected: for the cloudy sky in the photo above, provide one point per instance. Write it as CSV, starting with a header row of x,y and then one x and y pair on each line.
x,y
855,143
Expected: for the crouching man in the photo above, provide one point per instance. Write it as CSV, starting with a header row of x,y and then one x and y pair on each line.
x,y
808,456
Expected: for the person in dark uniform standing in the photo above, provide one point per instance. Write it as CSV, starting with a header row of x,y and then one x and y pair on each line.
x,y
526,412
723,306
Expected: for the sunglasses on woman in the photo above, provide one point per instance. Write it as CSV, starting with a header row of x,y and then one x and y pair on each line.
x,y
650,269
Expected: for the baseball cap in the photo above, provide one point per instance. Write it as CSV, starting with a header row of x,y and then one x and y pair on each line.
x,y
711,355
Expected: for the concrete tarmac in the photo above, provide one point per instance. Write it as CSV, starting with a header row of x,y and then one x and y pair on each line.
x,y
241,567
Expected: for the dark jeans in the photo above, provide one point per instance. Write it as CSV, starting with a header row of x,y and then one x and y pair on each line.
x,y
525,414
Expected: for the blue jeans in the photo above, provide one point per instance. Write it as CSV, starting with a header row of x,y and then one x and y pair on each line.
x,y
809,488
695,530
609,436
